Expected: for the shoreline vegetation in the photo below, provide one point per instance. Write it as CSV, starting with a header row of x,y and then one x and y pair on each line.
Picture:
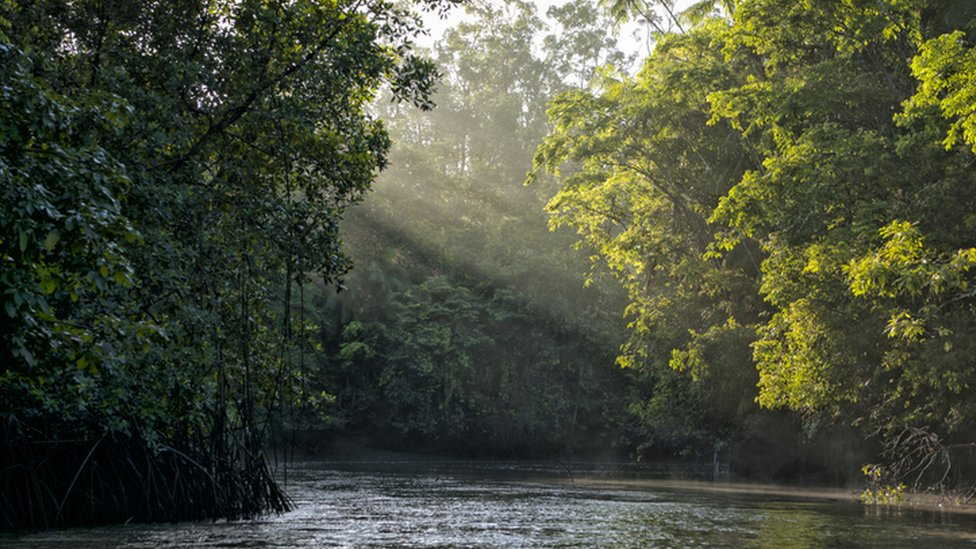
x,y
922,501
115,480
627,474
172,176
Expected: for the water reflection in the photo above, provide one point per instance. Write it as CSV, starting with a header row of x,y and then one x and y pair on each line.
x,y
796,528
481,506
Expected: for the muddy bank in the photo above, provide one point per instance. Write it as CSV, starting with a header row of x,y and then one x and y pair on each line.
x,y
913,500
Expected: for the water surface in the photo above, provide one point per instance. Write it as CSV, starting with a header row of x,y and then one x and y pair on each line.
x,y
457,504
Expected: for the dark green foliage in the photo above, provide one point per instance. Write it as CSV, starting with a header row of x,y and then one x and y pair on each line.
x,y
170,174
63,270
466,371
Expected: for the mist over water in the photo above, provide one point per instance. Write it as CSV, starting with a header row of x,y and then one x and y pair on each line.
x,y
478,504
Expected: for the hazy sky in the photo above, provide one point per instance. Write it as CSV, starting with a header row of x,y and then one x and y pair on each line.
x,y
628,43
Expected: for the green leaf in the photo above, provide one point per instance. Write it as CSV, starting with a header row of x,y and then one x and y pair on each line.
x,y
51,240
48,286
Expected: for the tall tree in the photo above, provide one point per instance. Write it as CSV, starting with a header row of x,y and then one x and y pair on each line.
x,y
203,154
641,172
842,200
789,148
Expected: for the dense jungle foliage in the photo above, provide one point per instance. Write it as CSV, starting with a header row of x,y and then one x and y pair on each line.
x,y
754,247
170,172
786,191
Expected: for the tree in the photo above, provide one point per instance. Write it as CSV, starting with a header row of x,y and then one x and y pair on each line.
x,y
641,172
840,204
788,152
203,154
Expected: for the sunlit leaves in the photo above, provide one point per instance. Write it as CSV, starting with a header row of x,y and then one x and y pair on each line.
x,y
863,224
800,381
904,267
864,211
945,69
645,172
642,169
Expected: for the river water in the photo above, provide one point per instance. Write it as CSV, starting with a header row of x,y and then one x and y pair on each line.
x,y
464,504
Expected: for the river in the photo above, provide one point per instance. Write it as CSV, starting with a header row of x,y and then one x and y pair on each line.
x,y
474,504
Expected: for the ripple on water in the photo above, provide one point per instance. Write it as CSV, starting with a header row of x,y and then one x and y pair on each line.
x,y
474,505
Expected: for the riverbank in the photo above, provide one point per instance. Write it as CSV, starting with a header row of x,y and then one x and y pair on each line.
x,y
917,501
480,504
356,454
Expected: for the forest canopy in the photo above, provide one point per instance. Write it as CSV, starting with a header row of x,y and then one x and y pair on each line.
x,y
169,172
785,189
